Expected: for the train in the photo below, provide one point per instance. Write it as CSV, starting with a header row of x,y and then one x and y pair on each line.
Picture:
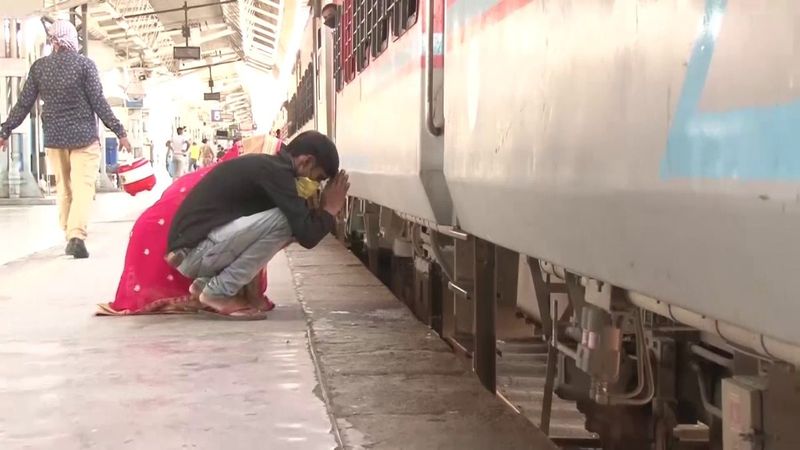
x,y
608,188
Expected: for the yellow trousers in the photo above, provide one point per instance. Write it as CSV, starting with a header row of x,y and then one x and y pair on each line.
x,y
76,174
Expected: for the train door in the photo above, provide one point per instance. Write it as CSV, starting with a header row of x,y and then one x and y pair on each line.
x,y
325,19
434,64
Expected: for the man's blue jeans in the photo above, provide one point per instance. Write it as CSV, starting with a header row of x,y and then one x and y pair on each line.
x,y
233,254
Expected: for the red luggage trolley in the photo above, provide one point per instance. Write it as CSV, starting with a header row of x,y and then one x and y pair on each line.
x,y
137,176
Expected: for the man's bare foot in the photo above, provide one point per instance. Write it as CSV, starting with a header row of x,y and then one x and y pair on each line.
x,y
256,296
234,307
197,287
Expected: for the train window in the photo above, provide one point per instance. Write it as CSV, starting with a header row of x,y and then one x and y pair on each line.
x,y
380,27
290,115
300,109
297,70
337,57
347,35
372,13
363,33
404,15
308,94
362,16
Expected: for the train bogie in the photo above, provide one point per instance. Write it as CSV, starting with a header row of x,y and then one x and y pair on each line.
x,y
595,201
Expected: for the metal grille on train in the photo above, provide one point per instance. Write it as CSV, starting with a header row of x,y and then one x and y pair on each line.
x,y
300,108
362,33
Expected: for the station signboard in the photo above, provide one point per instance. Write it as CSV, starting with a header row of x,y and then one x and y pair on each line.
x,y
186,52
134,103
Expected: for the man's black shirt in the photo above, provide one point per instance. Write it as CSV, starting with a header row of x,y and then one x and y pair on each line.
x,y
241,187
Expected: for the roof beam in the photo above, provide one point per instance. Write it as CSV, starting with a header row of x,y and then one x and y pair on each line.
x,y
67,4
182,8
267,7
264,33
203,66
268,18
259,65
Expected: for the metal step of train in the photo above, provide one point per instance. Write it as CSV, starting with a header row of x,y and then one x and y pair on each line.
x,y
521,367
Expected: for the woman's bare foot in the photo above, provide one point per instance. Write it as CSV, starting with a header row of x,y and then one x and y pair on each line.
x,y
174,259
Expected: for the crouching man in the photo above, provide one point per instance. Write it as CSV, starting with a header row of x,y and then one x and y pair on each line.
x,y
246,210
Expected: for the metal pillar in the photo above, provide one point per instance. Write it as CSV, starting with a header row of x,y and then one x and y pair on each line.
x,y
372,234
4,108
14,180
544,287
17,179
78,16
485,304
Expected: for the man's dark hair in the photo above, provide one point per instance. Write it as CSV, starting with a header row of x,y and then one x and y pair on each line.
x,y
319,146
204,141
179,130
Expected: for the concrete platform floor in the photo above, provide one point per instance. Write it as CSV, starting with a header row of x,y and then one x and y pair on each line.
x,y
391,382
32,228
70,380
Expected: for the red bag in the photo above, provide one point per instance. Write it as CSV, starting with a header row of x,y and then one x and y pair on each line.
x,y
137,176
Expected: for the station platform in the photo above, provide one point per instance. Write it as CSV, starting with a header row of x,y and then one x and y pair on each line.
x,y
340,363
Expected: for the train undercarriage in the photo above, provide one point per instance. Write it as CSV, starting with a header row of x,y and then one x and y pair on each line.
x,y
593,365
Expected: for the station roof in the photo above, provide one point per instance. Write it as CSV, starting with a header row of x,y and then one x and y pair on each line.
x,y
144,32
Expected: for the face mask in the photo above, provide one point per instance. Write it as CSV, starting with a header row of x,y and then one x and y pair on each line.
x,y
306,187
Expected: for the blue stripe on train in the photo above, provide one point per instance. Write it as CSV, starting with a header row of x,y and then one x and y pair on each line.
x,y
753,143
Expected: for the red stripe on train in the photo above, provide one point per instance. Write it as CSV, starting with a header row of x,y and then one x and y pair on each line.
x,y
491,16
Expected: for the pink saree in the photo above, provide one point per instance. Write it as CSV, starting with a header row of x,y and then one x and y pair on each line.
x,y
232,152
148,284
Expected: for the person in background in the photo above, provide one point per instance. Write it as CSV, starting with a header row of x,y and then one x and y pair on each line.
x,y
220,152
244,211
168,159
278,133
206,154
233,152
69,87
180,154
194,156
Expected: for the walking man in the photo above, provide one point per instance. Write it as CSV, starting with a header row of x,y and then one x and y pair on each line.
x,y
72,96
194,156
180,154
244,211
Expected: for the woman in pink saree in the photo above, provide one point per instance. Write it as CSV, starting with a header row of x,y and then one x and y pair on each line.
x,y
148,284
235,150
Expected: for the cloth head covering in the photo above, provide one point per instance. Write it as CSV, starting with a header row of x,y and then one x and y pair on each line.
x,y
63,34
